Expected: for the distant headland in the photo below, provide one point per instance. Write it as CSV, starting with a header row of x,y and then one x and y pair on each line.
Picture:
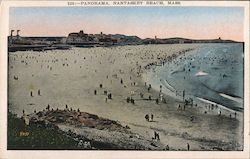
x,y
82,39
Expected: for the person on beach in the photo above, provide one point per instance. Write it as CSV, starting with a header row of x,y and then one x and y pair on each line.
x,y
109,96
80,143
188,146
183,95
167,147
141,94
31,94
152,117
156,136
161,97
147,117
128,99
15,77
148,89
235,114
192,118
95,92
157,101
39,93
132,100
164,100
105,92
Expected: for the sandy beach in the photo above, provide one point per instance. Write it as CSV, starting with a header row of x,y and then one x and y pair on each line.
x,y
82,78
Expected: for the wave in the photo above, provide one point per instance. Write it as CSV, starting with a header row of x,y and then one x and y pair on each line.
x,y
167,85
236,99
214,103
201,73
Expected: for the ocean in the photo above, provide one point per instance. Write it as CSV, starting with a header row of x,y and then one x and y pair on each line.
x,y
213,74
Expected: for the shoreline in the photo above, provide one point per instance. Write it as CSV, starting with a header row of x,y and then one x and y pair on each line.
x,y
170,90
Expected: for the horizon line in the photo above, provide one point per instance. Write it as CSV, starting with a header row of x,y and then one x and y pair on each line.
x,y
134,35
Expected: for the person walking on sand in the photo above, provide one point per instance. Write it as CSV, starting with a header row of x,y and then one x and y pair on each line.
x,y
156,135
149,97
183,95
179,107
188,146
39,93
152,117
31,94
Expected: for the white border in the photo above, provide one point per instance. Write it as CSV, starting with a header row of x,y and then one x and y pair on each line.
x,y
4,32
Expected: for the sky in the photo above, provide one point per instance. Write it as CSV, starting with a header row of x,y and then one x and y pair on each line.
x,y
145,22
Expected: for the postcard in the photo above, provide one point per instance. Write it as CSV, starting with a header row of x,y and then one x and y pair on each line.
x,y
124,79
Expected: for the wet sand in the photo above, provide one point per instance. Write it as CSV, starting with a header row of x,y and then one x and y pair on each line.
x,y
72,76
